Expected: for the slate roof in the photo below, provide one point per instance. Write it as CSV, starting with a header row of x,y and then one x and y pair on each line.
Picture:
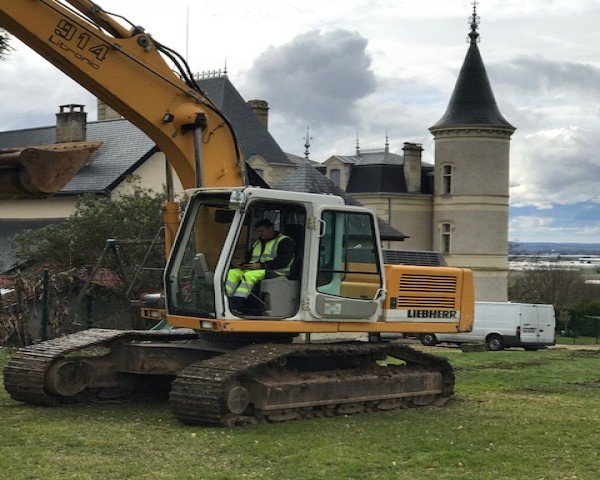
x,y
473,101
298,160
376,179
308,180
379,157
124,147
385,179
253,137
381,171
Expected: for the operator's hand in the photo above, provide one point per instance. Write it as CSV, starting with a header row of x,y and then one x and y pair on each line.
x,y
253,266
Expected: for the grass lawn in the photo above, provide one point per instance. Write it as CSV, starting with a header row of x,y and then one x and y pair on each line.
x,y
577,340
517,415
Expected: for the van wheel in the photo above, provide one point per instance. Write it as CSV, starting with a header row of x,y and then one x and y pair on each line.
x,y
428,339
495,343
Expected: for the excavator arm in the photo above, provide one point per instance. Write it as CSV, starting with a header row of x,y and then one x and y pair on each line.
x,y
127,69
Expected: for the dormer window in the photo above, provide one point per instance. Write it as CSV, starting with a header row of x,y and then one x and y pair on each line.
x,y
334,176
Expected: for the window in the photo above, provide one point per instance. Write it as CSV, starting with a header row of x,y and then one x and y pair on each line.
x,y
446,179
348,260
446,234
335,177
190,272
260,172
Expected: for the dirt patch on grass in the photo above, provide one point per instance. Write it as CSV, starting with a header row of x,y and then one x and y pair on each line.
x,y
565,346
569,387
503,365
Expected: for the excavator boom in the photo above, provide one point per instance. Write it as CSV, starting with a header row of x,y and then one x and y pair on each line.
x,y
127,70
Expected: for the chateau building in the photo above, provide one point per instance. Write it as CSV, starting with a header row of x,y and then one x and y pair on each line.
x,y
460,205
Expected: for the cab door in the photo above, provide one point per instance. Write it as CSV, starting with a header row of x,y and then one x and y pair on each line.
x,y
346,281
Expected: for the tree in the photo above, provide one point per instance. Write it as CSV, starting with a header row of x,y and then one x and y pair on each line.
x,y
585,319
514,248
547,285
133,220
5,48
70,251
565,289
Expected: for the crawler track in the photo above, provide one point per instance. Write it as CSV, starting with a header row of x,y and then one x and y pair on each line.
x,y
25,374
265,382
268,383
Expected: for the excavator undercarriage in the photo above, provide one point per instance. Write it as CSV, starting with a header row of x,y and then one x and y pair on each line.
x,y
221,384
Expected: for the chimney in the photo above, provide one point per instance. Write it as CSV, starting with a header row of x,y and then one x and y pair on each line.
x,y
71,124
261,110
412,166
104,112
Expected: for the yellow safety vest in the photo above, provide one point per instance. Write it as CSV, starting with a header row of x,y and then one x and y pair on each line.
x,y
269,253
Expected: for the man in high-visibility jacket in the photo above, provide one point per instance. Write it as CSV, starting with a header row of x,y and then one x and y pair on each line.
x,y
272,255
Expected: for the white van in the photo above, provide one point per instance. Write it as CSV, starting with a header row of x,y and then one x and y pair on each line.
x,y
500,325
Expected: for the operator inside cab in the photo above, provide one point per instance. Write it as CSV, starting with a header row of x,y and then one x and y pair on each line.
x,y
272,255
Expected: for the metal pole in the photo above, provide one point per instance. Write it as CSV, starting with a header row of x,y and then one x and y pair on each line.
x,y
199,126
44,332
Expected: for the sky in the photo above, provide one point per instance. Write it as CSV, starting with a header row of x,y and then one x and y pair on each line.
x,y
370,68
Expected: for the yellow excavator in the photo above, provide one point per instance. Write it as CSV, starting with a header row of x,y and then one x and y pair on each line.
x,y
220,366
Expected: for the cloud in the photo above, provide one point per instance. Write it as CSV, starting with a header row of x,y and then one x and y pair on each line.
x,y
556,166
36,91
537,75
317,77
560,223
555,105
531,223
324,79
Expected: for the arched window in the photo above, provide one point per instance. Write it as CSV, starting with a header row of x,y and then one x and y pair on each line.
x,y
447,179
445,241
259,172
335,176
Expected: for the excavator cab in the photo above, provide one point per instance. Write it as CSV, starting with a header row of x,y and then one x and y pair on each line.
x,y
217,235
337,267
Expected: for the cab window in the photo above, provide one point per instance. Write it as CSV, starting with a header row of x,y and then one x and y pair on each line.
x,y
348,260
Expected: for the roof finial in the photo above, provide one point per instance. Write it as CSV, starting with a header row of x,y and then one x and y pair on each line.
x,y
307,140
387,141
474,23
357,144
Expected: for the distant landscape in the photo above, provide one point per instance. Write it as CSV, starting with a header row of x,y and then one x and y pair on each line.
x,y
550,248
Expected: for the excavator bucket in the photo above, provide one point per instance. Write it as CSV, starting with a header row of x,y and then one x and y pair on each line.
x,y
40,171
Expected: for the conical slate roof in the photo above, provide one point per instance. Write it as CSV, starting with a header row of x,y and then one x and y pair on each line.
x,y
473,101
307,179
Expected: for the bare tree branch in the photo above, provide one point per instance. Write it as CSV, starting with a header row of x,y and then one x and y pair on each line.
x,y
5,47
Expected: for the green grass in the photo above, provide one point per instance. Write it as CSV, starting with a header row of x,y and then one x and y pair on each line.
x,y
577,340
517,415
